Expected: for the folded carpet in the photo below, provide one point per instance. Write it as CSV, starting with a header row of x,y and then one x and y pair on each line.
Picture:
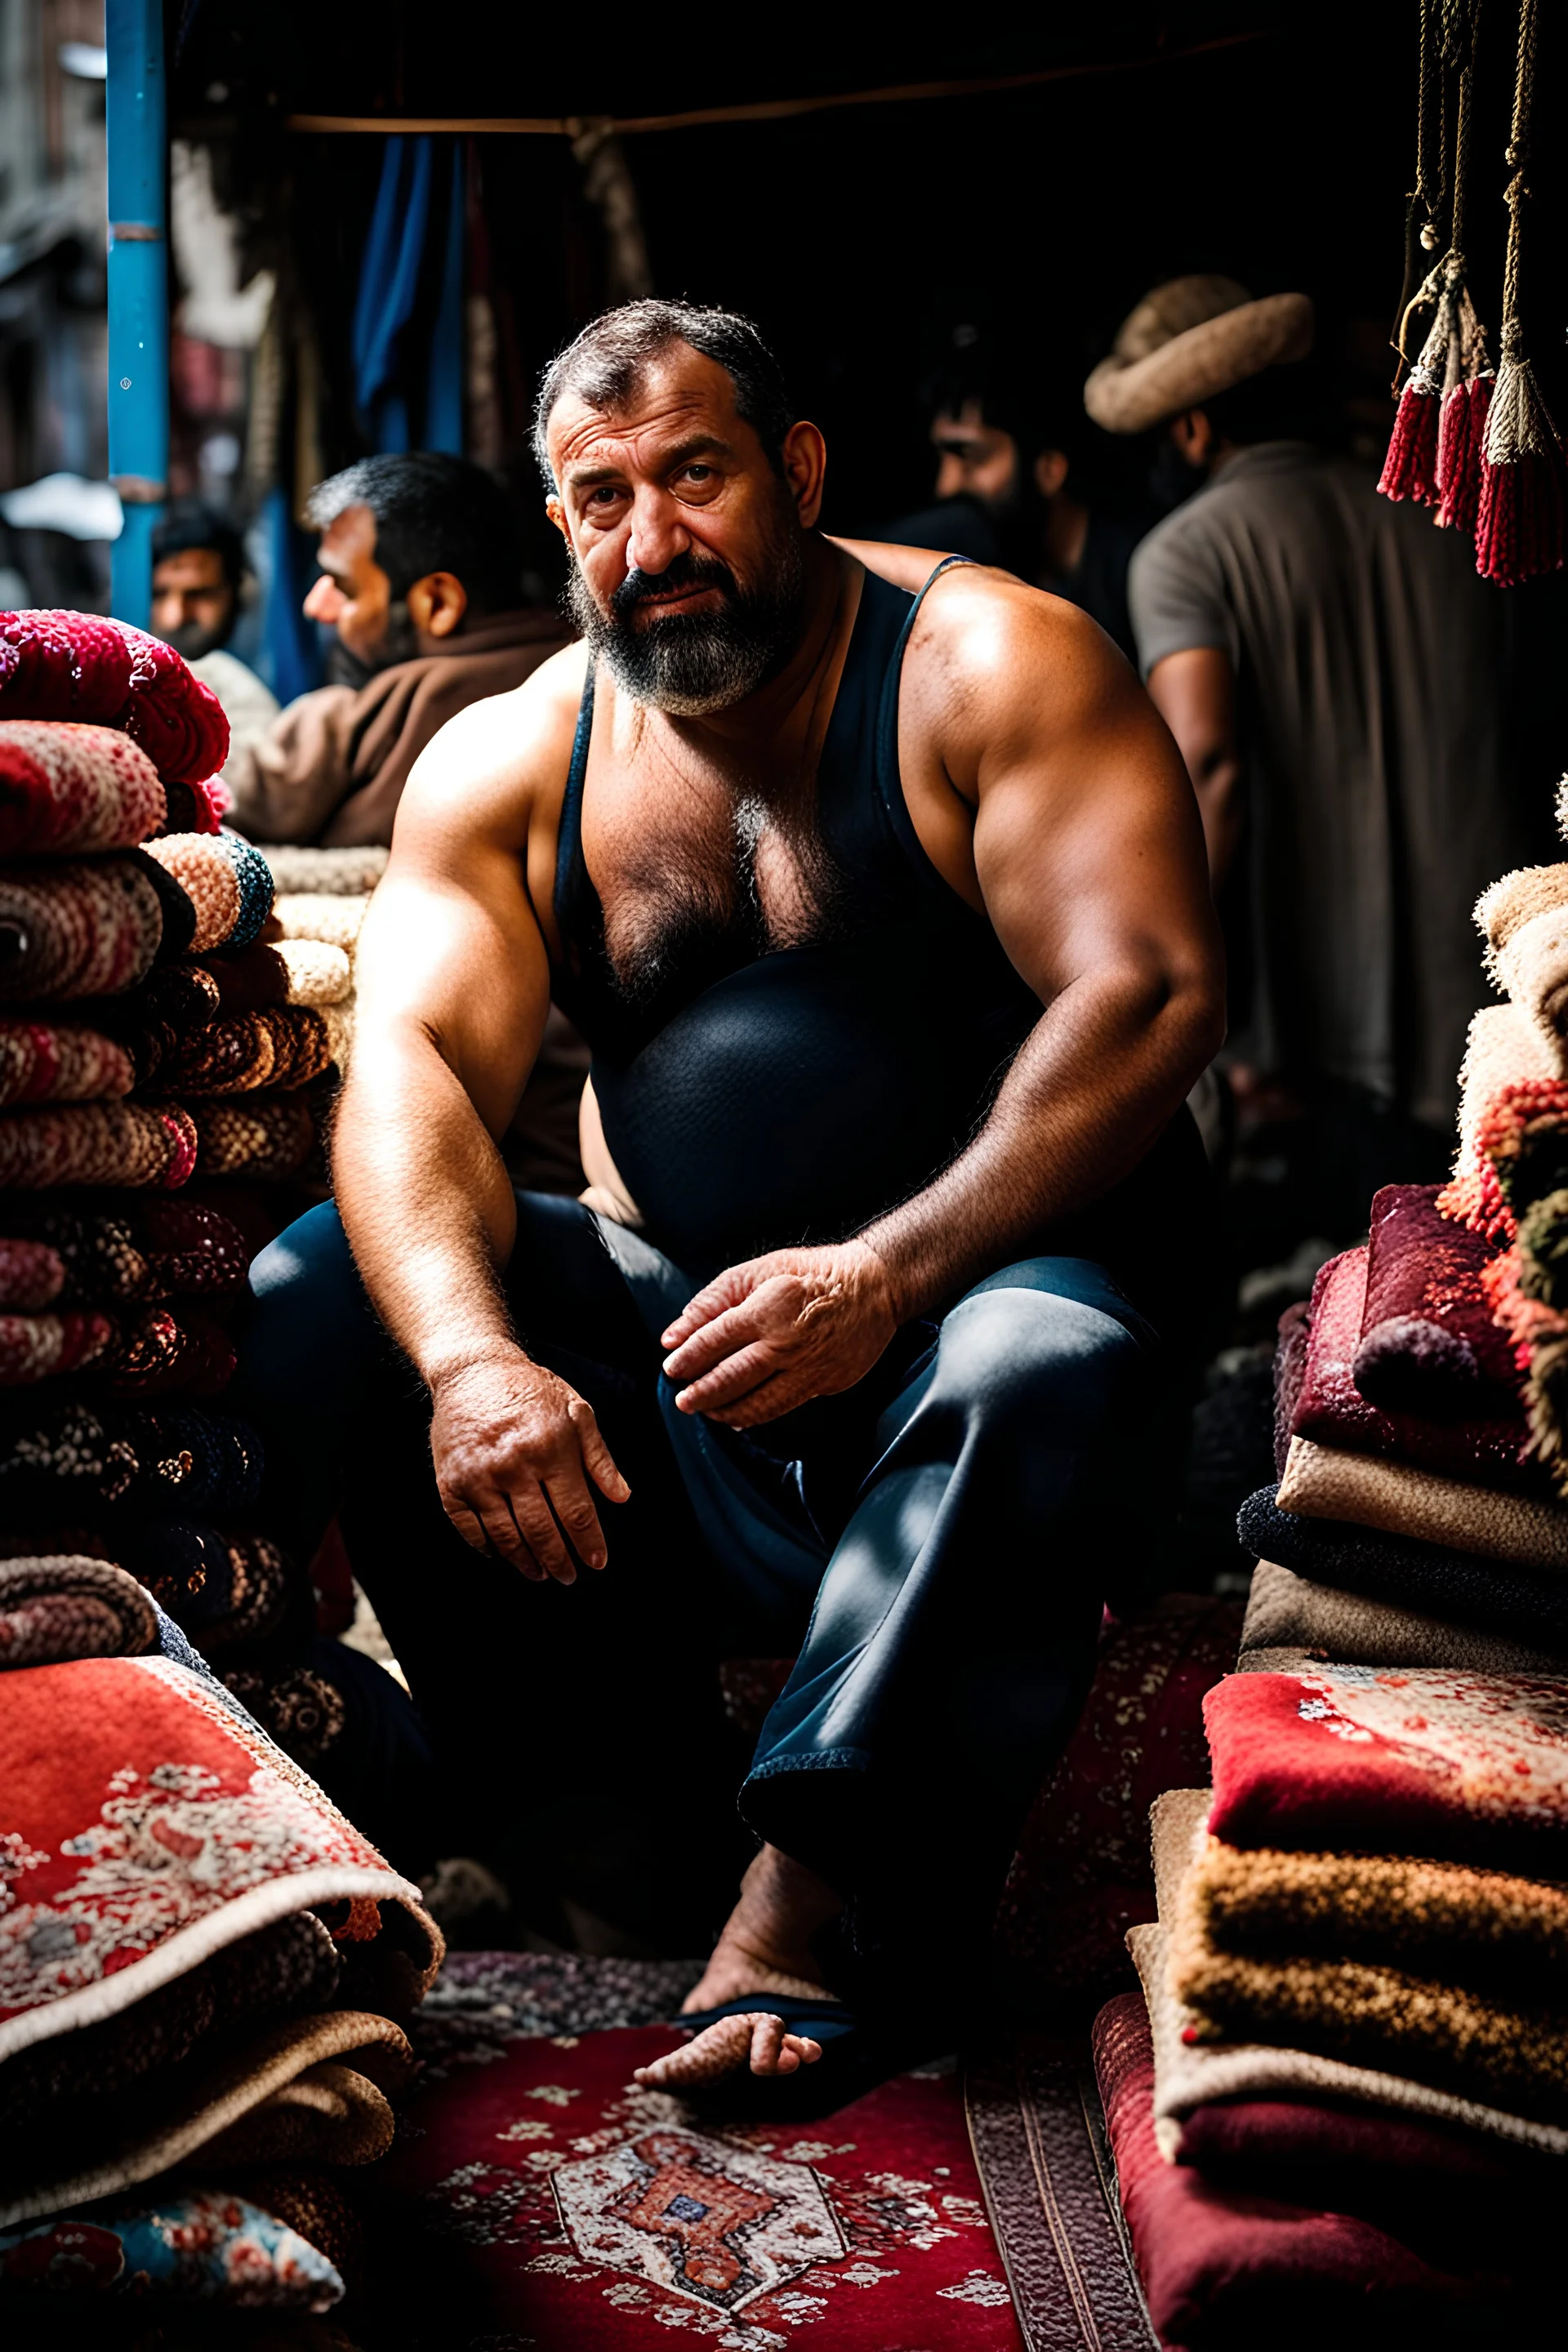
x,y
1330,1410
56,1061
132,1144
281,1046
266,1136
314,915
82,666
65,789
1525,920
331,873
77,929
161,1826
1430,1579
73,1457
1190,2074
1324,1482
292,971
1223,2268
1483,1928
1295,1333
51,1609
1286,1611
1513,1111
34,1347
194,2245
32,1275
1385,1759
210,2107
1428,1344
1350,2159
228,883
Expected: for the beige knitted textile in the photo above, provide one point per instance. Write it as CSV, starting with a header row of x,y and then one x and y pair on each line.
x,y
1323,1482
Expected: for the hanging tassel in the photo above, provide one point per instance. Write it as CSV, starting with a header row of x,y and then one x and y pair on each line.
x,y
1524,478
1461,429
1410,468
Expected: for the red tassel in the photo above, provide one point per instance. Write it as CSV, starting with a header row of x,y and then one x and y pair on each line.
x,y
1461,438
1519,526
1410,468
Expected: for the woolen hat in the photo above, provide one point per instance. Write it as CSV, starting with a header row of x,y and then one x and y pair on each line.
x,y
1187,343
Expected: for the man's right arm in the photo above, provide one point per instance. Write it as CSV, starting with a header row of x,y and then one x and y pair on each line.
x,y
1194,693
454,988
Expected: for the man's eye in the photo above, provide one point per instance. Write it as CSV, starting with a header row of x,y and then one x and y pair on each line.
x,y
698,473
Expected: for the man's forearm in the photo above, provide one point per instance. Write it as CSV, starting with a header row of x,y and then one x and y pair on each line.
x,y
427,1204
1091,1087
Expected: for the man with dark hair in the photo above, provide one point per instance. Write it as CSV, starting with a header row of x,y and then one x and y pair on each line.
x,y
878,891
1014,484
1336,677
421,579
198,576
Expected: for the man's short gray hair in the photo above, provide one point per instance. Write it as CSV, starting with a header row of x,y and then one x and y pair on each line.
x,y
604,364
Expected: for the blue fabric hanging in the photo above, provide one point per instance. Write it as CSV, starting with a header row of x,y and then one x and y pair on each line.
x,y
444,391
291,647
388,285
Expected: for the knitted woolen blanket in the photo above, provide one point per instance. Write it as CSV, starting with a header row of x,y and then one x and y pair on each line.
x,y
283,1046
228,883
80,665
1455,1766
71,1607
1323,1483
315,916
1331,1411
67,789
329,872
289,972
1506,1600
301,1710
1286,1611
1482,1928
1428,1344
148,1249
157,1354
1513,1125
263,1136
74,1457
32,1275
32,1347
1189,2074
1524,920
77,929
54,1061
133,1144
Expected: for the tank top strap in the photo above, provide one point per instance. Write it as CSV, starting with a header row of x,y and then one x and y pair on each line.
x,y
571,868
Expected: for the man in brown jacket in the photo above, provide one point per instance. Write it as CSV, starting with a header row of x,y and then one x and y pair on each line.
x,y
421,564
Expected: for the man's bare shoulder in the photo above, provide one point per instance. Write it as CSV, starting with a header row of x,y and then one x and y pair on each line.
x,y
500,757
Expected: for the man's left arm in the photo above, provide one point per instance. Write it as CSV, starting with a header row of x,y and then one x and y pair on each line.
x,y
1088,858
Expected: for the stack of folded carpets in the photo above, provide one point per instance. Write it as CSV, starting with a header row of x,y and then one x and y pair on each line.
x,y
150,1041
204,1976
1344,2100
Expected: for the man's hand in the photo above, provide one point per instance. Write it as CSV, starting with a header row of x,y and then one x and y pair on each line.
x,y
769,1335
515,1450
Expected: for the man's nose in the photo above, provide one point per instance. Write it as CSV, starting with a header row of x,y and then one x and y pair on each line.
x,y
657,535
324,602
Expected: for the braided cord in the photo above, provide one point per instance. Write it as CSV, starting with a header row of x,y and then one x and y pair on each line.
x,y
1518,158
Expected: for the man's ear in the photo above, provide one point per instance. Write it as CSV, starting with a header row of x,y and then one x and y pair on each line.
x,y
805,457
557,513
437,604
1194,435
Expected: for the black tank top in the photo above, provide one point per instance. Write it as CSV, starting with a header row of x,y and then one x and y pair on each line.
x,y
763,1097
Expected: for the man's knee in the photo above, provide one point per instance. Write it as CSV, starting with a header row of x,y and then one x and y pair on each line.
x,y
310,1326
1038,1363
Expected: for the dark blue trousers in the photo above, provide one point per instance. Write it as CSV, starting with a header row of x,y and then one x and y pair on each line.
x,y
933,1547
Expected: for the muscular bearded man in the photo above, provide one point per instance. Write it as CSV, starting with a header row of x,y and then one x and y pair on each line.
x,y
878,887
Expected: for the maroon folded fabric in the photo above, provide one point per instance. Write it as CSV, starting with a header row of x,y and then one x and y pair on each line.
x,y
1290,1370
70,789
60,665
1368,2159
1428,1342
1332,1410
1428,1760
1221,2267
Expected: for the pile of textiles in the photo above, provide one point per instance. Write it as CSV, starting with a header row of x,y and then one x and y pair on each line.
x,y
205,1975
168,1046
1343,2101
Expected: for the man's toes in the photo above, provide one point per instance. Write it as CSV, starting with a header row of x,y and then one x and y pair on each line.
x,y
718,2049
768,2039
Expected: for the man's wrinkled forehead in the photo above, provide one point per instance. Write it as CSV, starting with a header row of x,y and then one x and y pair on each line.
x,y
678,399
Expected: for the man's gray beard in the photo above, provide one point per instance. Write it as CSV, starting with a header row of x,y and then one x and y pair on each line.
x,y
690,664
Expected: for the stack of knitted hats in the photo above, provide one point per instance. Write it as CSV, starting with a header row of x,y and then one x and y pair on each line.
x,y
154,1046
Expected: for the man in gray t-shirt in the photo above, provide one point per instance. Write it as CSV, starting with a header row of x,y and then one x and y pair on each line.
x,y
1336,677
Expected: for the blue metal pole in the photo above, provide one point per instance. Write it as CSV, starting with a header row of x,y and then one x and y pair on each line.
x,y
138,295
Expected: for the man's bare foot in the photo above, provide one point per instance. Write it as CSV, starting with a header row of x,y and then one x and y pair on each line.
x,y
724,2048
766,1947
